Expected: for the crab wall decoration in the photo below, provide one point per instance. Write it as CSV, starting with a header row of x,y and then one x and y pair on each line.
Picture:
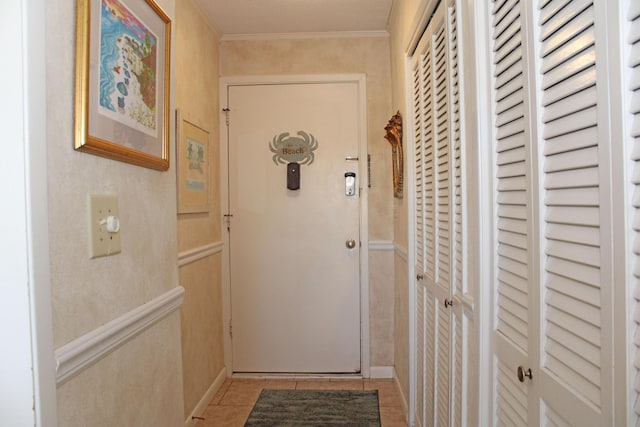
x,y
293,151
289,149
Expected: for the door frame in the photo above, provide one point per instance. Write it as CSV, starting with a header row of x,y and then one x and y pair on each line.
x,y
361,80
28,362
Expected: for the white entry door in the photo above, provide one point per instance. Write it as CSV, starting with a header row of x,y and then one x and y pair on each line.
x,y
294,253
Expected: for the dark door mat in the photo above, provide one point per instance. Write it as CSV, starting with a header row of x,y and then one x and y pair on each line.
x,y
315,408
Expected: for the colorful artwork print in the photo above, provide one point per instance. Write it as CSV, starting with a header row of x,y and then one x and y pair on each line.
x,y
128,68
195,180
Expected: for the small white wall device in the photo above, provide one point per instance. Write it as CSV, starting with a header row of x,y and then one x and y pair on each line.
x,y
350,184
104,225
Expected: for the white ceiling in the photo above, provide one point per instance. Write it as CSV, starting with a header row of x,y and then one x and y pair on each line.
x,y
233,17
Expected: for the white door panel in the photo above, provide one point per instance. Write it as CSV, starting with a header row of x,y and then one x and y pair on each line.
x,y
295,293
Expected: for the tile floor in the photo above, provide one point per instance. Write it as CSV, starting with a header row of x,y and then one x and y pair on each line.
x,y
232,404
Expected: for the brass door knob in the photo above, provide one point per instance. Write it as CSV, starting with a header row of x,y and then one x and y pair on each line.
x,y
351,243
524,373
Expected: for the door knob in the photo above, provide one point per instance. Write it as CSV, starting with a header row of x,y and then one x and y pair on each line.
x,y
524,373
448,302
419,276
351,243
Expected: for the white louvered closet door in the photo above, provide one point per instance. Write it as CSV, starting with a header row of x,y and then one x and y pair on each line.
x,y
423,137
462,312
513,210
553,293
438,182
576,254
633,61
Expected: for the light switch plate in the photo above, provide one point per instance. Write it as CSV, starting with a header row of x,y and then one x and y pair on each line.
x,y
101,241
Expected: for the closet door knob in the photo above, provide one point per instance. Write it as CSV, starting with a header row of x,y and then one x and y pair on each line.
x,y
524,373
419,276
448,302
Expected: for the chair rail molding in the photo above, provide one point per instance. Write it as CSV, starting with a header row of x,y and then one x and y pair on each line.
x,y
196,254
381,245
77,355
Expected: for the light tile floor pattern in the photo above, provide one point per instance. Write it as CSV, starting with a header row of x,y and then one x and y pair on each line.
x,y
232,404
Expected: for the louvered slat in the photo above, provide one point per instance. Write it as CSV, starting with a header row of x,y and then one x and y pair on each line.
x,y
457,356
442,188
443,364
431,358
419,159
553,419
427,356
511,399
420,353
456,285
511,152
428,169
571,182
443,159
511,148
421,114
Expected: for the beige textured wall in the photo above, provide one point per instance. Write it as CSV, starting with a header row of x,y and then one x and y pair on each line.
x,y
401,325
196,60
381,299
141,382
368,55
401,25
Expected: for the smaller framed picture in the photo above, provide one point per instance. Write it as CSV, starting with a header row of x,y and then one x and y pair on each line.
x,y
192,152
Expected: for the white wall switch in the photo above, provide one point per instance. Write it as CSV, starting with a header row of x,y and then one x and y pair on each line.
x,y
104,225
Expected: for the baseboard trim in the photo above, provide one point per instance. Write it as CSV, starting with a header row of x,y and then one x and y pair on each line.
x,y
381,372
77,355
198,411
403,398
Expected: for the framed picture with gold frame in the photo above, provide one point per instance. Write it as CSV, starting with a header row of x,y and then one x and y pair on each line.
x,y
193,158
123,51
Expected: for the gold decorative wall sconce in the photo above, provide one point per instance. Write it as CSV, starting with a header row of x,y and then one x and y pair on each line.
x,y
394,136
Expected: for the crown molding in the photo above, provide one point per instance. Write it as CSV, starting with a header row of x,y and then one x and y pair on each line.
x,y
290,36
